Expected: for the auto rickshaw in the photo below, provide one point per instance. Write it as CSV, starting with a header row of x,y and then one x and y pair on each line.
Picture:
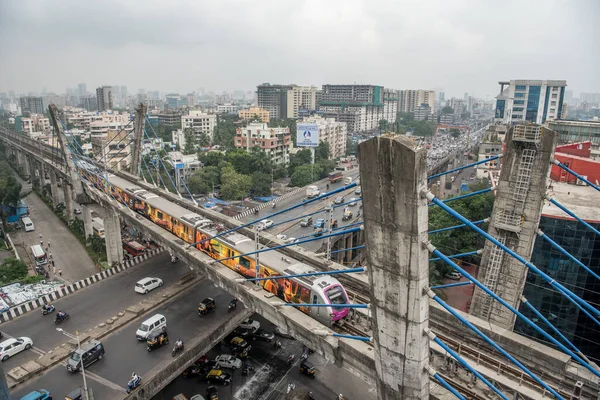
x,y
347,215
207,305
307,368
157,339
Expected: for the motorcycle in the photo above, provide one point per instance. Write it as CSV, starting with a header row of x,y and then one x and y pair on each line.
x,y
310,396
61,317
174,259
131,385
291,359
276,344
256,212
49,310
177,349
247,369
232,306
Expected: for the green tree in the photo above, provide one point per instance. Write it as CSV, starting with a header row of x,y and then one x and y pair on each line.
x,y
224,132
322,151
455,132
190,141
211,158
202,181
383,125
302,157
260,161
261,183
351,146
241,161
404,117
306,174
203,140
447,110
234,186
325,167
12,270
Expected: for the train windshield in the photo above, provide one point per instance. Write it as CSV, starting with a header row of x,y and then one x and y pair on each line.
x,y
336,295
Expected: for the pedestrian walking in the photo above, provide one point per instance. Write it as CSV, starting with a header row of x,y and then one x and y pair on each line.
x,y
42,243
40,237
59,272
48,243
52,261
50,255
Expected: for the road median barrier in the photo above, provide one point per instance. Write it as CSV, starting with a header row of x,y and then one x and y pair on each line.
x,y
32,368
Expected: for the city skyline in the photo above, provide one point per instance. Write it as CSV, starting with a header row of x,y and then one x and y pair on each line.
x,y
459,46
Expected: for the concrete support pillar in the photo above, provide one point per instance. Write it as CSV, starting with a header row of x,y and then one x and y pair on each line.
x,y
87,221
26,166
31,162
42,174
68,201
112,234
54,189
349,241
393,172
442,189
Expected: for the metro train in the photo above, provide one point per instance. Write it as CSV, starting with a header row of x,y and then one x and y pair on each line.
x,y
193,228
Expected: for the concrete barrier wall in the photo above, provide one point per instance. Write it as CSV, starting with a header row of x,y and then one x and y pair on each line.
x,y
172,370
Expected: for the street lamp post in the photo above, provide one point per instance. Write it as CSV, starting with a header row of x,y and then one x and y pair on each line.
x,y
76,337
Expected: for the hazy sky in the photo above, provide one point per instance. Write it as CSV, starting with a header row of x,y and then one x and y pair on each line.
x,y
181,46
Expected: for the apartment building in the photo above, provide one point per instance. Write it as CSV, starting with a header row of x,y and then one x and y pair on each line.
x,y
260,113
275,142
284,101
535,101
102,123
492,145
31,105
104,98
36,123
200,122
409,100
331,131
113,148
184,166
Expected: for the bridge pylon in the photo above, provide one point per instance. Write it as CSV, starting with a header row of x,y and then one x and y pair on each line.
x,y
138,134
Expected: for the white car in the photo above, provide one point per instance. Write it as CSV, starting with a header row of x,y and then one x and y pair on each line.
x,y
250,324
281,237
291,240
10,347
228,361
265,224
353,201
145,285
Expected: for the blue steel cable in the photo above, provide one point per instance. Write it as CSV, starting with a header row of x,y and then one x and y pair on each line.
x,y
353,337
346,203
458,226
463,196
296,218
349,248
176,172
449,285
566,253
462,362
287,245
163,165
149,172
157,167
459,255
489,341
572,296
321,197
329,231
445,384
465,166
565,209
554,329
347,226
336,272
567,295
542,332
581,178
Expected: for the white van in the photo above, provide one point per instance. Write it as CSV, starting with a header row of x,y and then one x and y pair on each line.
x,y
27,224
152,324
39,255
347,180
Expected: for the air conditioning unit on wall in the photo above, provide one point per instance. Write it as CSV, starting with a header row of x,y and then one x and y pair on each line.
x,y
580,182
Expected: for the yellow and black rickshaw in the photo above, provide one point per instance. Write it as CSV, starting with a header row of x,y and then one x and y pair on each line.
x,y
307,368
157,339
207,305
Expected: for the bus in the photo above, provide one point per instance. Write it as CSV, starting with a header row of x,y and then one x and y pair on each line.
x,y
98,227
39,255
134,248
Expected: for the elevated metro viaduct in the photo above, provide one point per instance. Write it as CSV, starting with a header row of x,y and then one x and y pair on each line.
x,y
356,356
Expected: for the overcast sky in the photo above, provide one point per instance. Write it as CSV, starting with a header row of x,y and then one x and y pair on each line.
x,y
181,46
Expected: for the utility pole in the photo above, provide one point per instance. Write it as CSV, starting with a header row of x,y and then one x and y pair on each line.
x,y
257,255
330,231
138,133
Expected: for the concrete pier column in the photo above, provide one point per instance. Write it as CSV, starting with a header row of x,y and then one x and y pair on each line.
x,y
87,221
31,162
26,165
393,172
112,234
442,188
349,241
42,171
68,201
54,189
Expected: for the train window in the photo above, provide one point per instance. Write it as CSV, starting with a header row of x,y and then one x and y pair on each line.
x,y
159,215
244,262
315,299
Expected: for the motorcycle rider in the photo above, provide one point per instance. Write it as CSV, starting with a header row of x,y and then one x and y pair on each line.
x,y
47,307
179,344
133,380
274,205
327,186
233,303
61,315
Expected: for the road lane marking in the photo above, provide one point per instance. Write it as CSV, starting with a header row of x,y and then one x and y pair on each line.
x,y
105,382
32,348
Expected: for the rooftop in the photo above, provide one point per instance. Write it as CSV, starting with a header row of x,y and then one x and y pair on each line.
x,y
581,200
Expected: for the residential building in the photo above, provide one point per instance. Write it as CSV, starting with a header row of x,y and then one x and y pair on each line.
x,y
424,113
458,105
35,124
184,166
104,98
90,103
412,99
530,100
227,108
275,142
200,122
101,124
170,118
578,131
361,107
32,105
491,145
113,149
583,244
332,132
284,101
590,98
81,89
261,113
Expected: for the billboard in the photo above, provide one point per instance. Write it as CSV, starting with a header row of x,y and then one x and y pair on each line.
x,y
307,135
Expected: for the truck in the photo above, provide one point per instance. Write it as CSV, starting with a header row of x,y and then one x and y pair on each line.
x,y
335,176
312,191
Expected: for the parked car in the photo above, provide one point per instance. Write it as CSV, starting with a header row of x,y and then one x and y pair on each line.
x,y
228,361
41,394
454,275
242,332
263,335
147,284
218,376
306,221
251,324
211,393
240,347
13,346
320,224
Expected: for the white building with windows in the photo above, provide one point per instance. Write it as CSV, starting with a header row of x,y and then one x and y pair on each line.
x,y
331,131
536,101
200,122
184,166
275,142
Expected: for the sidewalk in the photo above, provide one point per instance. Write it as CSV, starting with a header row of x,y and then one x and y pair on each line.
x,y
68,253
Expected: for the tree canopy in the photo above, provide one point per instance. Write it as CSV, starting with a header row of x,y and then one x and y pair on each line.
x,y
447,110
225,130
190,141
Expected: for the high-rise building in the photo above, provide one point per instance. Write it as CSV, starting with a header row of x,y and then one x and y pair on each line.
x,y
590,98
274,142
104,98
254,112
200,123
530,100
32,105
90,103
284,101
411,99
81,89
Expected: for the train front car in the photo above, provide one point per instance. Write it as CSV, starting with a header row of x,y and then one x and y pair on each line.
x,y
334,293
